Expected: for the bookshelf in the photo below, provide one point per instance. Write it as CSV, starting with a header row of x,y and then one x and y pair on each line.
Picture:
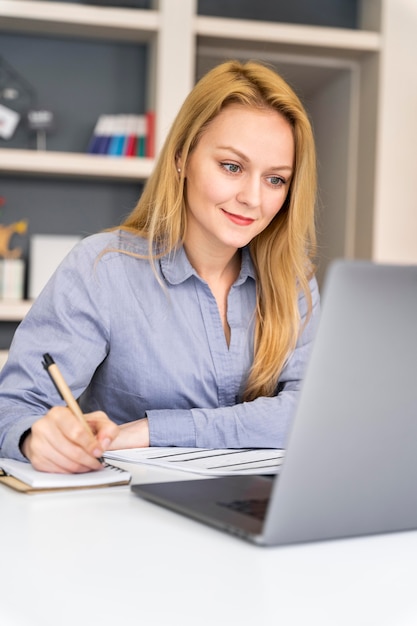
x,y
66,164
71,19
341,74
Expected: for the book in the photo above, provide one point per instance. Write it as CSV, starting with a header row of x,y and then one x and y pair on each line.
x,y
118,135
141,135
207,461
130,143
21,476
100,138
124,135
150,134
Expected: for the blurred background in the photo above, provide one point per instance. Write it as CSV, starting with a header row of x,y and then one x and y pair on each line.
x,y
66,66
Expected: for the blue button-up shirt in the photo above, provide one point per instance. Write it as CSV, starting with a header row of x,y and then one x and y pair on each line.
x,y
131,341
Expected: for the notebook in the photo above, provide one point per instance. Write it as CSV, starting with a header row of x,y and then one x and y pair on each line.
x,y
351,461
23,477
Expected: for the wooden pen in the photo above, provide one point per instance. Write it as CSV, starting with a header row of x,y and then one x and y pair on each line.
x,y
65,392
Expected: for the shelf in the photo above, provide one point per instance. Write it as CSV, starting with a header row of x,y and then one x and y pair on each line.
x,y
67,164
70,19
66,18
268,36
3,357
14,310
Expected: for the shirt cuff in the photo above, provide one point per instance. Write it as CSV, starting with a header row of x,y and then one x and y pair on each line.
x,y
171,427
10,445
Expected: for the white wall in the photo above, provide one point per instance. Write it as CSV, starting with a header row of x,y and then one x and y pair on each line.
x,y
395,223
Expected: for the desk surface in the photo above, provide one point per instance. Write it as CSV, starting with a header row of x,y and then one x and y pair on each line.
x,y
105,557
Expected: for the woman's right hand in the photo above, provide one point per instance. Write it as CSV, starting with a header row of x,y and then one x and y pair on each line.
x,y
59,442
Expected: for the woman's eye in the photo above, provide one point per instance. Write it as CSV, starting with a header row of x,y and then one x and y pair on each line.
x,y
276,181
231,167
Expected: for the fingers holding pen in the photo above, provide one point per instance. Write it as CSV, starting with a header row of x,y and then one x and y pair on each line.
x,y
59,442
84,441
103,428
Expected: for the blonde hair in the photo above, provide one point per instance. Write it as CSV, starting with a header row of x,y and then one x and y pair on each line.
x,y
282,254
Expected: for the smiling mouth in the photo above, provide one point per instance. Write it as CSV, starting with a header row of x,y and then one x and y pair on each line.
x,y
240,220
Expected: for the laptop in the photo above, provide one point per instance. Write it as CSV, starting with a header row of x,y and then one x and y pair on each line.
x,y
350,467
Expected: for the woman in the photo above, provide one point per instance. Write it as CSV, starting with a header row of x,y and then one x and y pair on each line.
x,y
190,324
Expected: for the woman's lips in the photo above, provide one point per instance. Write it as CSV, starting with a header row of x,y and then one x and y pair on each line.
x,y
240,220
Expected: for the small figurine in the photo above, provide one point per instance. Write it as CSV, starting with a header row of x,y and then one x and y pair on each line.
x,y
6,233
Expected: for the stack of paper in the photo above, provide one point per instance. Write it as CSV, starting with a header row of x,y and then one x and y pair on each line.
x,y
218,462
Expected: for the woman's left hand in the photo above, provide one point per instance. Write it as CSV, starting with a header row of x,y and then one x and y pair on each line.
x,y
132,435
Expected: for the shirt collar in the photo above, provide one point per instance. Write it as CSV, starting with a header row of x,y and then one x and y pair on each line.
x,y
176,268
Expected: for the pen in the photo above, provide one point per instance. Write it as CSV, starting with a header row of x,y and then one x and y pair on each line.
x,y
64,391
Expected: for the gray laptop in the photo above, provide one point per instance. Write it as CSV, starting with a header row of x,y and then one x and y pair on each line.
x,y
351,462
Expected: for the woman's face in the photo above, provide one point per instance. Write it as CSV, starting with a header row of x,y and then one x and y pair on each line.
x,y
237,177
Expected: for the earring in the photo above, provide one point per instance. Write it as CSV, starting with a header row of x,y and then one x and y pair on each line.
x,y
179,170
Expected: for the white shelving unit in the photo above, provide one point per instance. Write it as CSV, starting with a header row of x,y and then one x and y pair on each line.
x,y
341,74
226,32
61,18
168,87
166,90
14,310
52,163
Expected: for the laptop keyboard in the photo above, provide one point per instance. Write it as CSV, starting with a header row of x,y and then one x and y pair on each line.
x,y
254,507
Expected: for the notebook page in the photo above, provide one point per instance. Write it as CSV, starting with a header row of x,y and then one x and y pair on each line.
x,y
214,462
43,480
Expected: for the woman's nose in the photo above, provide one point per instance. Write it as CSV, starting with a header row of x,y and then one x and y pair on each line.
x,y
250,192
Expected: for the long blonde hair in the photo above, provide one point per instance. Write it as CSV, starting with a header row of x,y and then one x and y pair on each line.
x,y
283,253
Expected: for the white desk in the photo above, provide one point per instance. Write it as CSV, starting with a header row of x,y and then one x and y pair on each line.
x,y
106,557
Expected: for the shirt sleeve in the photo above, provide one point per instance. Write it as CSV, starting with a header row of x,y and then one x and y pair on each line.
x,y
68,320
261,423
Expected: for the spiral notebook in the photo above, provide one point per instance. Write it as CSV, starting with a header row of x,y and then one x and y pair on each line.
x,y
23,477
